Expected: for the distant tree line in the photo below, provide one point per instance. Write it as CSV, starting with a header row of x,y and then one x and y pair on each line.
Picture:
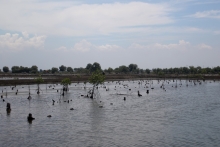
x,y
187,70
21,69
123,69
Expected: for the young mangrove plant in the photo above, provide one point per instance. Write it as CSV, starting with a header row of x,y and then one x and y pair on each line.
x,y
39,80
85,84
95,79
65,82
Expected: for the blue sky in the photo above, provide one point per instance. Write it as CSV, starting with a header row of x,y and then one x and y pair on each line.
x,y
149,33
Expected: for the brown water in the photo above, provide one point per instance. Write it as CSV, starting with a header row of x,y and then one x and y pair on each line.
x,y
182,116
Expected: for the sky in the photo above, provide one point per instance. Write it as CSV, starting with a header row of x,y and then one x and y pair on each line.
x,y
149,33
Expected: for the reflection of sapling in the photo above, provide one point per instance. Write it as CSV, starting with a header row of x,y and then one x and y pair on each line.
x,y
95,79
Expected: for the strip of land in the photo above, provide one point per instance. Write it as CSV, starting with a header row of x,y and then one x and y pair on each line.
x,y
26,79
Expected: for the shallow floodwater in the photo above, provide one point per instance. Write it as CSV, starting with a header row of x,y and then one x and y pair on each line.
x,y
169,117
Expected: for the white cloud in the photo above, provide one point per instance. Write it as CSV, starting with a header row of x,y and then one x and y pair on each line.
x,y
25,34
204,46
70,19
207,14
83,46
108,47
193,29
62,48
14,42
86,46
217,32
182,45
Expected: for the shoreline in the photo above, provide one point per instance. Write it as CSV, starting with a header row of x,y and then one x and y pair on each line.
x,y
13,79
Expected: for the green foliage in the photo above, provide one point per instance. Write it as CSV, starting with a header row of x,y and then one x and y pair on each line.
x,y
5,69
116,70
89,66
62,68
34,69
54,70
110,70
81,70
123,69
97,78
69,69
93,67
147,71
21,69
15,69
160,73
132,67
39,80
65,82
96,66
141,71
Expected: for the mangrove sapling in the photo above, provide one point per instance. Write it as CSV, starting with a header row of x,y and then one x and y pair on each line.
x,y
95,79
78,77
85,84
65,82
39,80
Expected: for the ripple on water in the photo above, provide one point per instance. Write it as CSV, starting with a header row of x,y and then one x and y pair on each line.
x,y
183,116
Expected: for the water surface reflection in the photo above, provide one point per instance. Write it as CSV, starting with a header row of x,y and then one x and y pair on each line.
x,y
182,116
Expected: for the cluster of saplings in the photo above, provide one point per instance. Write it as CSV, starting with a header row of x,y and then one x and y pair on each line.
x,y
130,69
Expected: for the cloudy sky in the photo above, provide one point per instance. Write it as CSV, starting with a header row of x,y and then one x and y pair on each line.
x,y
149,33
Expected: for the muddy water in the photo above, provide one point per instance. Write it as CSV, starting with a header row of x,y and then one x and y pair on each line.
x,y
182,116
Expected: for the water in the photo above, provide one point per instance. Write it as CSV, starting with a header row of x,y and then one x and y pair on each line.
x,y
182,116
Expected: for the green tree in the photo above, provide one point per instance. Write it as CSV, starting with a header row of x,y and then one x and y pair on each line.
x,y
62,68
123,69
192,70
39,80
80,70
15,69
54,70
176,70
170,70
199,70
65,82
110,70
160,73
165,70
147,71
95,79
203,71
208,70
89,67
132,67
186,70
154,70
69,69
141,71
116,70
216,70
96,66
5,69
34,69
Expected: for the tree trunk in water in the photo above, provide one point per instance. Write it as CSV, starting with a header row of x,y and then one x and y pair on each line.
x,y
38,89
63,91
92,92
